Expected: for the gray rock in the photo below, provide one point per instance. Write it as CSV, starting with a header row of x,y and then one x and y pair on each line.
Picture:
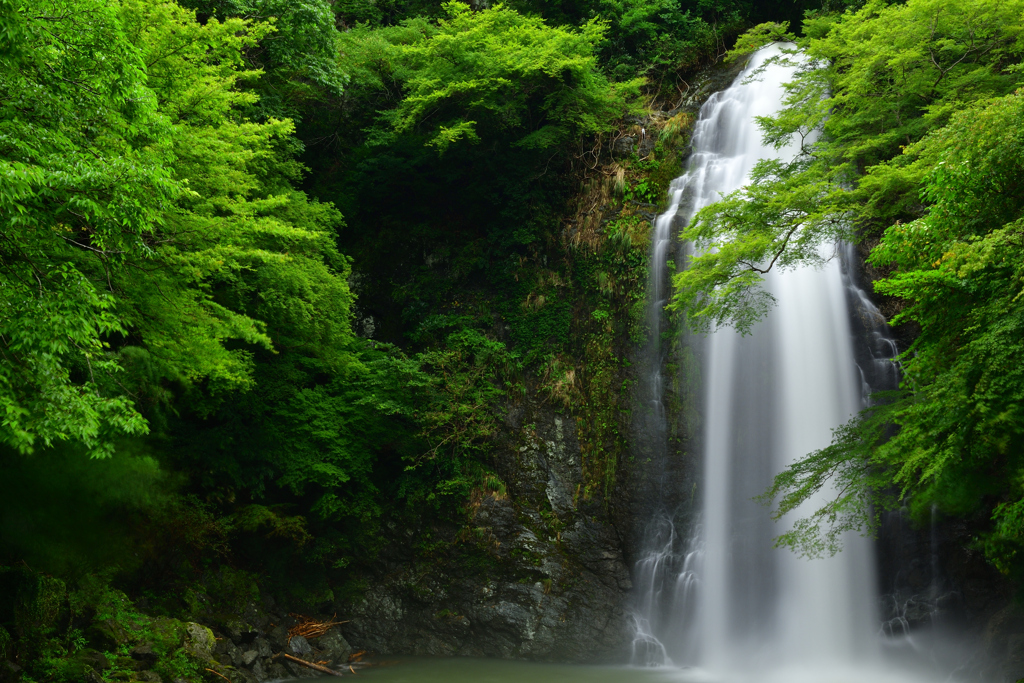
x,y
258,672
235,653
106,635
335,647
647,145
278,637
624,145
144,653
555,584
93,659
299,647
199,641
299,671
249,657
277,670
263,646
240,632
149,677
222,646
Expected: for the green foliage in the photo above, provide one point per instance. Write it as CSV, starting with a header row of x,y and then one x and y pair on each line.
x,y
150,231
909,131
645,192
311,460
757,37
874,82
298,58
855,491
957,419
496,72
449,233
658,38
613,280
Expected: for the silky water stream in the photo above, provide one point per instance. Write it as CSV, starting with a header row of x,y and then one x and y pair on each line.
x,y
713,595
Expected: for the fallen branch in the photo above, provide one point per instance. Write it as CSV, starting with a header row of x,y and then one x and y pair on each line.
x,y
219,674
311,665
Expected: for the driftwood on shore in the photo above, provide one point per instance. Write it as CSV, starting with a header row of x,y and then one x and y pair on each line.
x,y
311,665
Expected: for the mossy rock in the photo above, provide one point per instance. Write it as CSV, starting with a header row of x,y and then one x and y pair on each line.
x,y
194,659
165,634
115,620
108,634
84,665
180,664
226,596
199,641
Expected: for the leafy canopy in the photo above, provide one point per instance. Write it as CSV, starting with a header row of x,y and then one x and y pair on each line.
x,y
872,83
953,435
492,73
150,232
910,125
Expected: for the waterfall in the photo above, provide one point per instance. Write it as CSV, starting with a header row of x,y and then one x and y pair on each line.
x,y
716,594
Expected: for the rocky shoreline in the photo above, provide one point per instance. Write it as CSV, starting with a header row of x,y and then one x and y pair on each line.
x,y
94,633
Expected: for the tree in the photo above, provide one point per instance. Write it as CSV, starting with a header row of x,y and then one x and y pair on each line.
x,y
909,127
493,73
952,436
150,232
874,82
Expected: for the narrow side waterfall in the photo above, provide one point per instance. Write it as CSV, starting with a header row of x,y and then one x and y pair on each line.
x,y
716,594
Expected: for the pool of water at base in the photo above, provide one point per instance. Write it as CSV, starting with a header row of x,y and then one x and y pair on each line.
x,y
470,670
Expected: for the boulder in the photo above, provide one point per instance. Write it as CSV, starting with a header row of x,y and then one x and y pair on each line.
x,y
624,145
647,145
84,665
277,670
240,632
263,646
144,654
298,647
278,637
92,658
107,634
334,646
199,641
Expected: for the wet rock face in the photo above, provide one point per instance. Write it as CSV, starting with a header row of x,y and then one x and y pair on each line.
x,y
538,573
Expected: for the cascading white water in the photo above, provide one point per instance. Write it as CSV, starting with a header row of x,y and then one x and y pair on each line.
x,y
726,600
771,398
